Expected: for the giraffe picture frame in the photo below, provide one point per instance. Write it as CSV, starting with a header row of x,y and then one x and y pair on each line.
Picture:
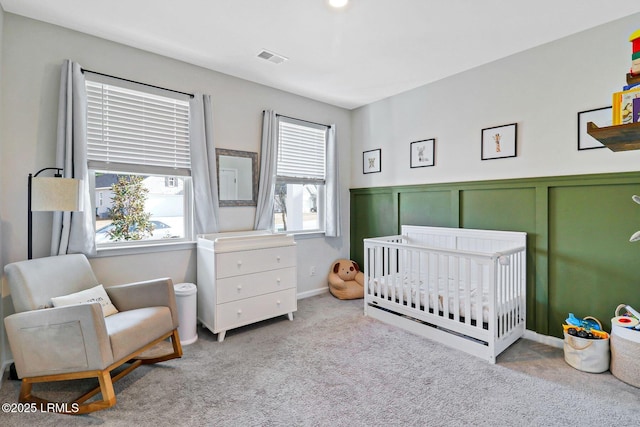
x,y
499,142
371,161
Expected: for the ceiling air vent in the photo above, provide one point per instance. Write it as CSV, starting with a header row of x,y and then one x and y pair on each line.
x,y
272,57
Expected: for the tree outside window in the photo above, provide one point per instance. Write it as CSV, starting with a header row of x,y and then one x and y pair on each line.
x,y
129,218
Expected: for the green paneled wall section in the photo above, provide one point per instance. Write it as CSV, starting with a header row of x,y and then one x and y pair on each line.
x,y
579,256
426,208
371,212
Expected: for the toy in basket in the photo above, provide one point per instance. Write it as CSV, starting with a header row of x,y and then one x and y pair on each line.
x,y
625,345
586,345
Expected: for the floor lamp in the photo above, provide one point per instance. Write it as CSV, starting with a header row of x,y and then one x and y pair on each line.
x,y
50,194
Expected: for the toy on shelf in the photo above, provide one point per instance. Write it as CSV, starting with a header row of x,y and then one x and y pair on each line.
x,y
624,132
635,52
626,103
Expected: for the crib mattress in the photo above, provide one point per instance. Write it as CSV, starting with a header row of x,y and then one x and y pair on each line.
x,y
405,286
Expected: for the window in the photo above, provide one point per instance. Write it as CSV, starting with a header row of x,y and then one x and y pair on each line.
x,y
300,176
139,161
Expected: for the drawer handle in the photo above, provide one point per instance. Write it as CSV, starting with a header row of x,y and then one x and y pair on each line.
x,y
239,263
239,287
278,258
278,302
239,312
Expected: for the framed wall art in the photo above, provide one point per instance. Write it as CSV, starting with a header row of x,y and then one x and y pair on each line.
x,y
499,142
422,153
601,117
371,161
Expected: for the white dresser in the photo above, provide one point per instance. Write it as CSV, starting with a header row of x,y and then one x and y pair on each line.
x,y
245,277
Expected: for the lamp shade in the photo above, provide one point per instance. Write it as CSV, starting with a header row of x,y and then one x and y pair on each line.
x,y
55,194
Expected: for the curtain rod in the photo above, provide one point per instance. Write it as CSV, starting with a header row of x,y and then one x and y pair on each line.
x,y
300,120
133,81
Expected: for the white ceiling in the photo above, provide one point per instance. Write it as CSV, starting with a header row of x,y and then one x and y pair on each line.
x,y
350,57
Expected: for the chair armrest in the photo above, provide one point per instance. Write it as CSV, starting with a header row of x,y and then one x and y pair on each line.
x,y
58,340
150,293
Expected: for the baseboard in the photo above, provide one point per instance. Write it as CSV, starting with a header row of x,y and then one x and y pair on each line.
x,y
543,339
313,293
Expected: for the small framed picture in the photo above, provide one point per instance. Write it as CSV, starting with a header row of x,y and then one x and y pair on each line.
x,y
499,142
371,161
601,117
423,153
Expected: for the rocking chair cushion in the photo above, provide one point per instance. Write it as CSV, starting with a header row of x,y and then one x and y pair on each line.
x,y
127,329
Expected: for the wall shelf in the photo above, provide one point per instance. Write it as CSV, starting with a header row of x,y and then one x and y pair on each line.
x,y
618,137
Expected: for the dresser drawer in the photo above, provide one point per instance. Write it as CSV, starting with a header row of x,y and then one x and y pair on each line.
x,y
250,285
253,261
243,312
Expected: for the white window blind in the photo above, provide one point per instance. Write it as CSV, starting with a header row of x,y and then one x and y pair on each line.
x,y
127,127
301,151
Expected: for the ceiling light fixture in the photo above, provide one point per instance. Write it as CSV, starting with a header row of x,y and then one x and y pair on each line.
x,y
338,3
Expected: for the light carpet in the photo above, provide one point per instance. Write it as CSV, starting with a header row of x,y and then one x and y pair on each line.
x,y
332,366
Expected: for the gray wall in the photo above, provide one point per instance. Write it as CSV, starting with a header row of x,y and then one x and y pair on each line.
x,y
541,89
5,301
32,54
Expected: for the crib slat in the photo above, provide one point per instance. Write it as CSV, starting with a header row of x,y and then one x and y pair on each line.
x,y
502,304
393,260
479,293
467,291
456,288
385,267
445,284
504,307
513,292
424,280
437,309
521,286
408,277
424,294
504,301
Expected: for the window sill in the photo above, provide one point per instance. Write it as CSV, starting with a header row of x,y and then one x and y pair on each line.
x,y
144,249
302,235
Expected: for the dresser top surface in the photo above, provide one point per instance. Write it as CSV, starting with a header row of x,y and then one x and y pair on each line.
x,y
244,240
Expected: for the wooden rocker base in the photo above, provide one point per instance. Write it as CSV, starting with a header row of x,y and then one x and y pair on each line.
x,y
105,380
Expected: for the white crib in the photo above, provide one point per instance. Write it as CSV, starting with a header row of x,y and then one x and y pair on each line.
x,y
464,288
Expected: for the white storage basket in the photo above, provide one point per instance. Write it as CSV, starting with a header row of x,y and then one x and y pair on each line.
x,y
625,355
588,355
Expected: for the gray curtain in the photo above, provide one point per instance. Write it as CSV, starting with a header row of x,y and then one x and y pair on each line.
x,y
266,188
332,206
204,171
73,232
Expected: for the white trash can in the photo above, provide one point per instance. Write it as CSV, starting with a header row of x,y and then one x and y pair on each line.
x,y
186,301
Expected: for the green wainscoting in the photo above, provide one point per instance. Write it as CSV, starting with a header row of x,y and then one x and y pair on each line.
x,y
579,257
